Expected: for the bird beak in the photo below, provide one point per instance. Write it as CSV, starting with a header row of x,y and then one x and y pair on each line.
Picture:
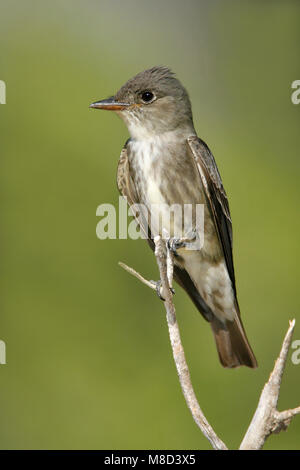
x,y
110,104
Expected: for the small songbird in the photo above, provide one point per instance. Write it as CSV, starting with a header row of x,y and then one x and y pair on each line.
x,y
165,163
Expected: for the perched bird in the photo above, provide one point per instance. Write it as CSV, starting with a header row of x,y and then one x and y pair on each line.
x,y
165,163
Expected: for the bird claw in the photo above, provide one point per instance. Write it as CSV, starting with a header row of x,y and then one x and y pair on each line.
x,y
174,244
158,289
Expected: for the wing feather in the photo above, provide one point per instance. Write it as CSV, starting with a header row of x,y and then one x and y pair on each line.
x,y
128,190
216,197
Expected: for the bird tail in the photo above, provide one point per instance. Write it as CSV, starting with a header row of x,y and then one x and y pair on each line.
x,y
232,344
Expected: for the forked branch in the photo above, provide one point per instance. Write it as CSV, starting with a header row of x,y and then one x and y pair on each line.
x,y
267,419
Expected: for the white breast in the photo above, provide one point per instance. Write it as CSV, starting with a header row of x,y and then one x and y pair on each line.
x,y
149,158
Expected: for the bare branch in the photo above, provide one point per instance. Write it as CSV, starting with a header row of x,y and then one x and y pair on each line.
x,y
165,265
267,419
132,271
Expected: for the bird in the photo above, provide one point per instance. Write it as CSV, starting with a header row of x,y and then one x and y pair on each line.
x,y
165,163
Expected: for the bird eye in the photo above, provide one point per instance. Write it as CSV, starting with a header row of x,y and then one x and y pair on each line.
x,y
147,96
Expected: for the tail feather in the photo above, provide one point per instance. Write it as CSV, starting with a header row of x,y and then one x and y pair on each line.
x,y
232,344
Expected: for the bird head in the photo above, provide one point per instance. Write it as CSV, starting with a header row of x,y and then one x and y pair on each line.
x,y
151,103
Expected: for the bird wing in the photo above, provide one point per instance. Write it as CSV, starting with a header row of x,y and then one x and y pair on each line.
x,y
124,180
216,198
128,190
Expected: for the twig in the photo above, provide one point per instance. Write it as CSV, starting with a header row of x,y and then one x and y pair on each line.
x,y
132,271
267,419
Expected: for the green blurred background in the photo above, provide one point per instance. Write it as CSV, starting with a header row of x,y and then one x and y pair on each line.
x,y
89,363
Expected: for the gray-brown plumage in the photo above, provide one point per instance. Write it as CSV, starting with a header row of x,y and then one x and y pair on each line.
x,y
165,163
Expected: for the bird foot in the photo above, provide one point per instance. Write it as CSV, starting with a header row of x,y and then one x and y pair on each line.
x,y
175,244
159,289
